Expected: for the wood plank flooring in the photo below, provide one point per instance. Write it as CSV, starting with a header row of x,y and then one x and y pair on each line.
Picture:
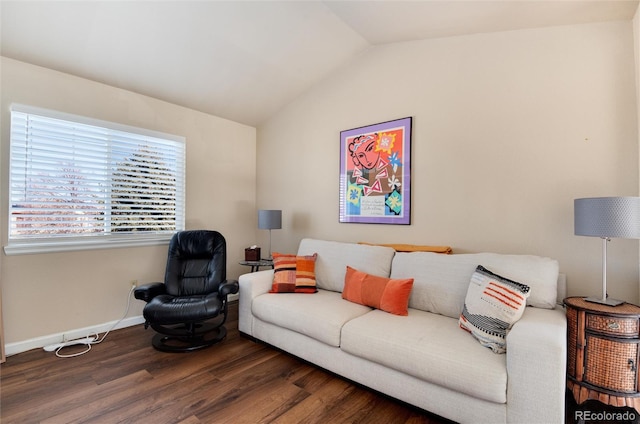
x,y
125,380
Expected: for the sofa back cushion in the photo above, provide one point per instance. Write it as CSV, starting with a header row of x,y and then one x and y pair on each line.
x,y
441,281
334,257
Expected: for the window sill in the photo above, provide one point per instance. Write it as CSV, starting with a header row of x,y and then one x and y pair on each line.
x,y
69,245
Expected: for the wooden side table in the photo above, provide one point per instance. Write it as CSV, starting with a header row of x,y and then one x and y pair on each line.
x,y
602,346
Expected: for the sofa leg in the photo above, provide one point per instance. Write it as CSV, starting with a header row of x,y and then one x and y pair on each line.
x,y
248,337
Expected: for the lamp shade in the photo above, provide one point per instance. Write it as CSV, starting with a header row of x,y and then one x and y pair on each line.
x,y
269,219
607,217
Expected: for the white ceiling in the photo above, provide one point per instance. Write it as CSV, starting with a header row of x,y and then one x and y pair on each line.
x,y
244,60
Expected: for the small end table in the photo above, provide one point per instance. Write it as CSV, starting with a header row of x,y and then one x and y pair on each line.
x,y
602,352
255,265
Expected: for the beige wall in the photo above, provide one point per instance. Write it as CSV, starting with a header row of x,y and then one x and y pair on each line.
x,y
51,293
508,128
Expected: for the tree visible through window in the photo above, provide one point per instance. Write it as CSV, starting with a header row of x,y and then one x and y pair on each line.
x,y
143,194
75,177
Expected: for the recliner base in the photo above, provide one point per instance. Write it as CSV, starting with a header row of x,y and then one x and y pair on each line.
x,y
183,340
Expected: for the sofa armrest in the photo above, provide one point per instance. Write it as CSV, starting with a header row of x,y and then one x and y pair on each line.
x,y
536,367
251,286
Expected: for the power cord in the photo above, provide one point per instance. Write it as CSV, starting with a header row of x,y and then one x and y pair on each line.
x,y
89,340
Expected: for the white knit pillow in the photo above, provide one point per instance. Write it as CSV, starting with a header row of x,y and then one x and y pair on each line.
x,y
493,304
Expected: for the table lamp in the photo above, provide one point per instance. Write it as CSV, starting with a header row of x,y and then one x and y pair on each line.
x,y
269,219
607,217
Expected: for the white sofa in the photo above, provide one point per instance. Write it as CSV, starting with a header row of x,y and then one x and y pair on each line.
x,y
424,358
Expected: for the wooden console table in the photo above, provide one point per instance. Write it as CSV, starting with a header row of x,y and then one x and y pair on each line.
x,y
602,346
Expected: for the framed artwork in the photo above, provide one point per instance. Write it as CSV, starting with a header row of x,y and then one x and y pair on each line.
x,y
375,173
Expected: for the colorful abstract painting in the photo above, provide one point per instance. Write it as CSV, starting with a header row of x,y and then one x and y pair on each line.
x,y
375,173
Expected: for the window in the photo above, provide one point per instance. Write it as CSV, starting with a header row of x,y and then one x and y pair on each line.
x,y
77,183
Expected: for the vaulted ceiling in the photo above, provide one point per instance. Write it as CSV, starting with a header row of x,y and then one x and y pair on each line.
x,y
244,60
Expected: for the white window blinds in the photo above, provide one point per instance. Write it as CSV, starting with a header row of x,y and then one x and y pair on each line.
x,y
74,179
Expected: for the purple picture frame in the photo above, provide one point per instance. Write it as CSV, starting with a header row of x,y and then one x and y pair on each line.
x,y
375,173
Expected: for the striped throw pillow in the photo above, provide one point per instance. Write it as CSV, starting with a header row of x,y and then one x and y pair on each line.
x,y
294,274
493,304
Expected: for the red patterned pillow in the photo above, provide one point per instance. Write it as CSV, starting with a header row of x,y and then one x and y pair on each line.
x,y
378,292
294,274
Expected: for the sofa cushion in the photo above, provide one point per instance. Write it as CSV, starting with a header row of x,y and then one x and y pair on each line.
x,y
430,347
320,316
378,292
333,258
493,304
293,273
441,281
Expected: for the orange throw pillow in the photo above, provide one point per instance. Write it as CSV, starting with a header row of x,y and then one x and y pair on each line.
x,y
294,274
378,292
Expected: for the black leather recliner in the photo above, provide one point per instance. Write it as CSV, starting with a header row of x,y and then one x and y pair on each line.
x,y
189,309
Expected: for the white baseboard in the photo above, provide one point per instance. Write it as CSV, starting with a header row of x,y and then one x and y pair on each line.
x,y
39,342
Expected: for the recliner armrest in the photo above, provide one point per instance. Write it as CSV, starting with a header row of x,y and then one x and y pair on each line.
x,y
147,292
228,287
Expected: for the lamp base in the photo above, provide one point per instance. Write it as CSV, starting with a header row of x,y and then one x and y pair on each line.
x,y
607,301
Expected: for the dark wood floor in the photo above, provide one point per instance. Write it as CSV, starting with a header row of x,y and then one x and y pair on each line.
x,y
125,380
